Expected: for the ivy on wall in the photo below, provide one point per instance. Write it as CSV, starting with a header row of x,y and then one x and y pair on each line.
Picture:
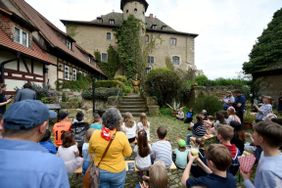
x,y
129,48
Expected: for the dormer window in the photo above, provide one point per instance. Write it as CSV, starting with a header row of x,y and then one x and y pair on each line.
x,y
21,37
100,20
69,44
154,26
164,27
112,21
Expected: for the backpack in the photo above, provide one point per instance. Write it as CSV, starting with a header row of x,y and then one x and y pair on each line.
x,y
79,130
235,165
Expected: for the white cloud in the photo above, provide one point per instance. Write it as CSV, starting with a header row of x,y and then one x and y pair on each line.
x,y
227,28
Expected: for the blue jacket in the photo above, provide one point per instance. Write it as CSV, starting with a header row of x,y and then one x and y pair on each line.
x,y
27,164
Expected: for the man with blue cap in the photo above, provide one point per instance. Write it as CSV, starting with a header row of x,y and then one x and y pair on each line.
x,y
24,163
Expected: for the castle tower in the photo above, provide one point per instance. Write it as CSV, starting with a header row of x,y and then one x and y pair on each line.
x,y
136,8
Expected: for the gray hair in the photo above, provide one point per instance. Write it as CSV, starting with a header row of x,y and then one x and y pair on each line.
x,y
112,118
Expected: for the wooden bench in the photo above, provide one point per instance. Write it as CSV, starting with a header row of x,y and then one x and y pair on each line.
x,y
131,163
78,171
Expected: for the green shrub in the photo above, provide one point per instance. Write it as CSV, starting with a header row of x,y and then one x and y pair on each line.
x,y
165,111
121,78
82,83
163,84
109,84
208,102
202,80
44,94
102,93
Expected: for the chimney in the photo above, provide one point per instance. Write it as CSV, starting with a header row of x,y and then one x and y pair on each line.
x,y
151,16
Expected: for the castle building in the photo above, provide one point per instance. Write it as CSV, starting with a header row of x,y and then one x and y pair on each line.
x,y
170,45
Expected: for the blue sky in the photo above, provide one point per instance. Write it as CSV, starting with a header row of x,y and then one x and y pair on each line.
x,y
227,28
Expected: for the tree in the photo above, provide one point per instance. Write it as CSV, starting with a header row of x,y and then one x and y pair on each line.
x,y
129,42
163,84
267,52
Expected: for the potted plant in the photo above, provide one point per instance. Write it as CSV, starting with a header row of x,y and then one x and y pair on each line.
x,y
175,106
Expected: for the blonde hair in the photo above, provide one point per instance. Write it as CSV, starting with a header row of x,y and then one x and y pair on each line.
x,y
128,119
144,119
231,110
158,175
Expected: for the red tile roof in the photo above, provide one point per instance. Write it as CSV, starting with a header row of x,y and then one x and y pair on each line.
x,y
51,34
34,51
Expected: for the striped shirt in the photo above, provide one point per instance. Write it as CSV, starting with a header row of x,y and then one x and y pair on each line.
x,y
198,130
162,151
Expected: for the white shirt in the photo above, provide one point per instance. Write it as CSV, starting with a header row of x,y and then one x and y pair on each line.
x,y
71,161
130,131
142,162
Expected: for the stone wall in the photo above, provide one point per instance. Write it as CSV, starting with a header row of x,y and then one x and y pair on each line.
x,y
271,86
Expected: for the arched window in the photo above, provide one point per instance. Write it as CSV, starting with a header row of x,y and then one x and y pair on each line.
x,y
135,10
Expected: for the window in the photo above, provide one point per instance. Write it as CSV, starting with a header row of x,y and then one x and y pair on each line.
x,y
127,11
173,41
74,74
109,36
69,45
135,10
66,72
154,26
151,59
176,60
147,39
21,37
164,27
104,57
100,20
112,21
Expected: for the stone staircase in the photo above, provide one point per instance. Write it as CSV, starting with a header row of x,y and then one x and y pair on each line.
x,y
133,104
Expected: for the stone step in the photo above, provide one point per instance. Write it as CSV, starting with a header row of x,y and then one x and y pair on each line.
x,y
132,109
131,106
131,102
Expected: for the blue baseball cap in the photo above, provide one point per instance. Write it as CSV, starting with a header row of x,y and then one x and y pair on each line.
x,y
25,115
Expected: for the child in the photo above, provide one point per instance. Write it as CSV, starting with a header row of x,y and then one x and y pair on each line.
x,y
129,127
85,154
180,114
158,176
63,124
97,122
198,129
144,124
68,151
189,116
267,135
142,150
79,128
218,160
47,143
224,134
161,150
181,154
